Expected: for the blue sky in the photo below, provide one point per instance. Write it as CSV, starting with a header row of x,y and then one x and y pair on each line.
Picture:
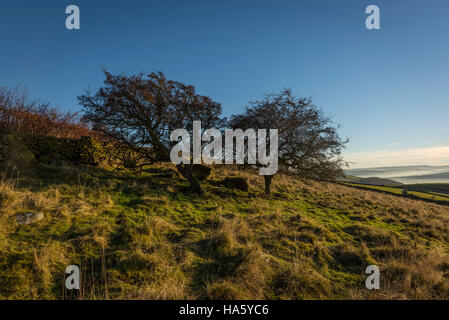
x,y
388,88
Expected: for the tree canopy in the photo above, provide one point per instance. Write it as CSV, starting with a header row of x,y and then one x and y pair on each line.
x,y
141,111
309,144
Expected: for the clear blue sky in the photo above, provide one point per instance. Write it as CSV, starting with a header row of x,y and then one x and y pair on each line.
x,y
388,88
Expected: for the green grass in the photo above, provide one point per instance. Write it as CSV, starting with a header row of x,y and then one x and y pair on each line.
x,y
440,194
424,192
144,237
441,188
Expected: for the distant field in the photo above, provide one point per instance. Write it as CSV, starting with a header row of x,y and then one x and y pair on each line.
x,y
435,191
440,194
435,188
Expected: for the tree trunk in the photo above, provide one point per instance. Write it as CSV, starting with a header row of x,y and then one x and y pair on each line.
x,y
186,170
268,183
195,185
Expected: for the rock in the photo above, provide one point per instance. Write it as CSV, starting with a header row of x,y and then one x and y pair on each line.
x,y
197,171
236,183
201,172
29,217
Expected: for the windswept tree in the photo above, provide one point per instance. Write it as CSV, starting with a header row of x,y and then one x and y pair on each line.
x,y
309,145
141,111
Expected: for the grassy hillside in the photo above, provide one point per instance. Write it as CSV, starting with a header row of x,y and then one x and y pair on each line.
x,y
143,237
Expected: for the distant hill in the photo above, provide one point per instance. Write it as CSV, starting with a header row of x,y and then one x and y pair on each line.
x,y
399,171
404,174
442,175
371,181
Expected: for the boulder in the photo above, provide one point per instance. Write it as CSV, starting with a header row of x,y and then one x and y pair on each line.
x,y
236,183
29,217
201,172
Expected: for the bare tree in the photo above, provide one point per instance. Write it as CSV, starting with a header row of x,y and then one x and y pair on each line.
x,y
309,145
141,111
